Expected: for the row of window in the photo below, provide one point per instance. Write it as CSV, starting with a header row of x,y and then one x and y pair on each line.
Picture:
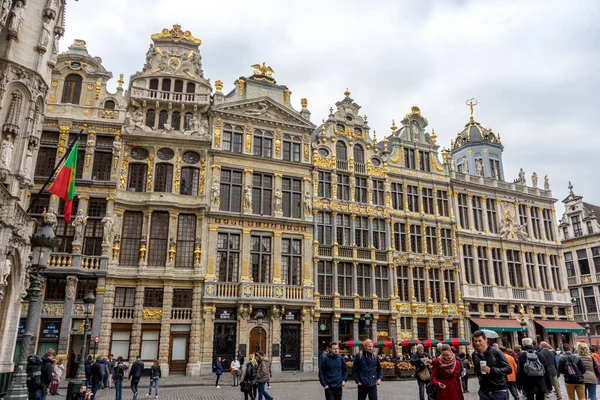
x,y
153,297
589,295
494,166
163,179
490,268
582,261
262,143
55,288
577,227
72,91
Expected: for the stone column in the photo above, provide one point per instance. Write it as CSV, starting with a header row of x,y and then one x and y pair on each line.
x,y
172,247
336,327
78,242
490,267
142,264
336,289
215,188
193,367
277,278
486,223
315,342
135,341
247,191
505,268
97,317
355,329
529,221
420,197
524,274
165,330
373,286
207,339
307,340
374,328
411,283
106,327
276,337
428,298
201,227
391,280
354,279
536,271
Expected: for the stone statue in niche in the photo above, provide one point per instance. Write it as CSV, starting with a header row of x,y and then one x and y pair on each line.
x,y
54,57
71,287
522,178
216,193
168,128
248,196
415,130
51,218
278,199
28,165
135,120
546,183
534,180
18,16
6,152
4,11
149,56
79,225
6,269
307,203
479,167
46,34
107,227
116,146
464,165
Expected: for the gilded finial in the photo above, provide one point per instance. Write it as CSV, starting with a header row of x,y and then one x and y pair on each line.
x,y
304,103
85,126
471,103
121,81
385,144
433,135
330,110
374,136
365,117
393,127
219,85
323,127
263,70
347,93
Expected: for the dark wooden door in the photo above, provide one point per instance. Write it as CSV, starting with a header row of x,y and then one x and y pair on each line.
x,y
255,334
178,351
224,343
290,347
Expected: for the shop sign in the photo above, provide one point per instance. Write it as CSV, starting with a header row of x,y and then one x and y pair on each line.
x,y
224,314
290,316
50,330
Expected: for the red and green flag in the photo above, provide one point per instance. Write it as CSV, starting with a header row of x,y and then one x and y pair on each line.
x,y
64,184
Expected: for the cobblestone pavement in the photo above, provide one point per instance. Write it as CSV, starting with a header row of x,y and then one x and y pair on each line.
x,y
309,390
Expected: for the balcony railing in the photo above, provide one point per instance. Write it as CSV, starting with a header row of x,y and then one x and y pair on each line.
x,y
244,290
174,96
342,164
519,294
181,314
60,260
487,291
548,295
360,168
364,254
384,305
326,301
78,261
325,251
90,262
123,313
347,303
345,251
381,255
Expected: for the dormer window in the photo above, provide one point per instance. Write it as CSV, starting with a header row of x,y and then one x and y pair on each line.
x,y
166,85
349,118
341,151
340,127
576,223
72,89
590,227
109,105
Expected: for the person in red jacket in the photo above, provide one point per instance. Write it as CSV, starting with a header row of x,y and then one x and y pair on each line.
x,y
446,375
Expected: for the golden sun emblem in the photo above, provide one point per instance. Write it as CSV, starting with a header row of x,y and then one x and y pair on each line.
x,y
174,63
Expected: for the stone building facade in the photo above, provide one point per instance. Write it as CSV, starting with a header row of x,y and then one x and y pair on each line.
x,y
508,245
579,231
30,32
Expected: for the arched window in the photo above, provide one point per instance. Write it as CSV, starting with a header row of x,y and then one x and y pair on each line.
x,y
166,85
186,121
359,154
341,151
153,84
190,88
163,116
72,89
176,120
109,105
179,86
150,117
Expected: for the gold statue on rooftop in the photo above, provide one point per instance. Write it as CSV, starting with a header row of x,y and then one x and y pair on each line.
x,y
263,69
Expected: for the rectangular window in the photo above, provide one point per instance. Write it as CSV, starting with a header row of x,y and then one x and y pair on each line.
x,y
477,213
530,266
427,196
137,178
582,260
45,161
403,282
182,298
324,187
400,237
153,297
92,234
124,297
65,231
189,181
495,169
102,165
409,158
555,272
412,197
130,238
542,265
363,278
119,346
80,163
576,223
360,191
566,232
590,227
497,264
228,256
292,197
343,187
446,242
434,285
343,230
569,264
596,258
379,234
325,278
463,211
231,190
159,237
397,196
291,150
514,268
263,144
535,222
186,240
361,231
262,190
431,239
416,239
232,138
419,284
378,192
84,286
442,202
381,281
344,275
468,262
483,265
291,260
424,161
150,341
55,289
450,285
523,217
324,227
492,215
260,258
548,226
590,299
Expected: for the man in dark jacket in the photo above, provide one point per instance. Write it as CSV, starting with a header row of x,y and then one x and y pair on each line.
x,y
535,385
96,375
572,367
333,373
492,374
421,361
367,372
135,373
548,354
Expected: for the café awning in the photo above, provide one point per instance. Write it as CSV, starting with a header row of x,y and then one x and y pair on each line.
x,y
560,326
498,324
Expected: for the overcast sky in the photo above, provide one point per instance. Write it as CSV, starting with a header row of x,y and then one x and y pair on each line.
x,y
532,65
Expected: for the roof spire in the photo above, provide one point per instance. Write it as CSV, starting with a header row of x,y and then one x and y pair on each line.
x,y
471,103
571,189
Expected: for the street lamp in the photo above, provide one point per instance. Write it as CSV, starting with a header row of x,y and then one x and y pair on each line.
x,y
368,324
450,321
523,324
89,300
259,321
43,242
588,330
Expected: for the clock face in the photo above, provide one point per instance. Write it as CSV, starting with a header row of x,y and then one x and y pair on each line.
x,y
174,63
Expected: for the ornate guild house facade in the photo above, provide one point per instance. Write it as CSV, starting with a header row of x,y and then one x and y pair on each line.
x,y
212,222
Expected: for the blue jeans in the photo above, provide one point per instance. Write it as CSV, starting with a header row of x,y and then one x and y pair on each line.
x,y
590,388
39,394
118,389
499,395
261,392
95,388
153,381
422,385
105,380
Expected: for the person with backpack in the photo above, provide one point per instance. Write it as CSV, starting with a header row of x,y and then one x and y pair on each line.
x,y
248,382
135,374
421,361
333,373
572,367
511,379
491,367
263,374
551,368
118,376
40,374
367,372
531,372
155,375
590,376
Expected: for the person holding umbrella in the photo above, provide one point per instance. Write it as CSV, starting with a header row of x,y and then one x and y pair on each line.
x,y
421,361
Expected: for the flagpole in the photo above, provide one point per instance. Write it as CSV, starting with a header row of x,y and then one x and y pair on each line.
x,y
51,176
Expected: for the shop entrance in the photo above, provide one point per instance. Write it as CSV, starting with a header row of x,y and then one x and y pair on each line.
x,y
290,347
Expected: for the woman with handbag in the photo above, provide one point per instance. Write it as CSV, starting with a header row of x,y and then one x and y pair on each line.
x,y
235,371
421,361
248,384
446,376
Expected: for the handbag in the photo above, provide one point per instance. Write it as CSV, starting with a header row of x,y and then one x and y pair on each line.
x,y
424,374
245,387
238,372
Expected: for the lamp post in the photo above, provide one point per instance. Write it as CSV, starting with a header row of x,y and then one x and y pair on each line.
x,y
368,324
259,321
588,330
523,324
450,321
89,300
42,244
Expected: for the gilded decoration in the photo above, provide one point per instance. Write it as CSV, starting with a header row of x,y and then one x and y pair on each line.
x,y
322,162
248,132
395,157
124,166
376,171
177,182
75,65
217,129
62,140
428,309
202,174
98,86
55,309
278,142
152,313
241,86
150,172
177,35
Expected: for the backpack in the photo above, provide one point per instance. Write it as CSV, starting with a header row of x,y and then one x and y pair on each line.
x,y
119,372
34,372
533,365
571,370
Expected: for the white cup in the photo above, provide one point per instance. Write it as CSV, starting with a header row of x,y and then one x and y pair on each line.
x,y
483,364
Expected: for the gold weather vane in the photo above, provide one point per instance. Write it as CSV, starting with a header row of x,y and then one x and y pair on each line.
x,y
263,69
472,103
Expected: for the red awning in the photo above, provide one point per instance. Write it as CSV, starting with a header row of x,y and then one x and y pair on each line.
x,y
595,340
498,324
560,326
